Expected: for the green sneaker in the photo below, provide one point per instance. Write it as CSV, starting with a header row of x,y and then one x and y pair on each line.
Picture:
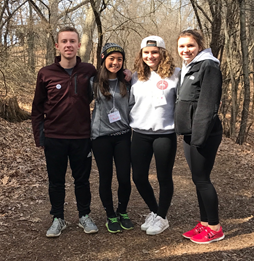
x,y
56,228
113,225
125,221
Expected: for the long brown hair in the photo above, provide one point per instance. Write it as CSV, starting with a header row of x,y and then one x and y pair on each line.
x,y
165,68
101,82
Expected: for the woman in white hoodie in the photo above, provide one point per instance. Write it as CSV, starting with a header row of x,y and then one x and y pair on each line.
x,y
198,101
152,121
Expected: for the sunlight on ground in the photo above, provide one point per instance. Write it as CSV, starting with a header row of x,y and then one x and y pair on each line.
x,y
239,221
230,243
25,106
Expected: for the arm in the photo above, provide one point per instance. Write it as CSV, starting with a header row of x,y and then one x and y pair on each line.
x,y
208,104
134,79
127,74
91,89
40,97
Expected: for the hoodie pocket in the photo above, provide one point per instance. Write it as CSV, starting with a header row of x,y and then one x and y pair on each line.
x,y
184,111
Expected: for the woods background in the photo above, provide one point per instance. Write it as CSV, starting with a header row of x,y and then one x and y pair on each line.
x,y
28,29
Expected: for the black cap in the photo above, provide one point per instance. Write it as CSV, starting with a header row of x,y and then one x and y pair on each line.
x,y
109,48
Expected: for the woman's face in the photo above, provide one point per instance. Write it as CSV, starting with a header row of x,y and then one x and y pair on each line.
x,y
114,62
188,48
151,56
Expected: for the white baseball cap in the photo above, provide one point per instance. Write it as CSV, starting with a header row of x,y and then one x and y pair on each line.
x,y
159,42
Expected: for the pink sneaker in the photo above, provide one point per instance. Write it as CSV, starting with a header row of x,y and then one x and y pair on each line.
x,y
207,236
193,232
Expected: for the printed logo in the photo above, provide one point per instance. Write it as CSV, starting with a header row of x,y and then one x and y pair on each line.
x,y
162,85
58,86
114,49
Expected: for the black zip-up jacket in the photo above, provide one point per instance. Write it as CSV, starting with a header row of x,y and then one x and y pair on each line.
x,y
61,102
198,101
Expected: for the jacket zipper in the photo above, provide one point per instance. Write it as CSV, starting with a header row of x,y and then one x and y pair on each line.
x,y
75,82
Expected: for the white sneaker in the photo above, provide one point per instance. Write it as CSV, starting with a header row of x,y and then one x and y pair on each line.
x,y
158,226
149,221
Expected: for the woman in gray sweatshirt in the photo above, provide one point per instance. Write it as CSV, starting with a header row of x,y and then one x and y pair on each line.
x,y
111,134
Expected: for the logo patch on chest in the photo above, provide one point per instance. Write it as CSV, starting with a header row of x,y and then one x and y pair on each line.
x,y
58,86
162,84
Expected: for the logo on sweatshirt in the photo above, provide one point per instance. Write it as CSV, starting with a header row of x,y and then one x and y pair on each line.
x,y
58,86
162,84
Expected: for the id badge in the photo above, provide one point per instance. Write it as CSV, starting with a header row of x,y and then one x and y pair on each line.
x,y
159,100
114,116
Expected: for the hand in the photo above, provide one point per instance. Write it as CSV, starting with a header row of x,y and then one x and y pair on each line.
x,y
127,74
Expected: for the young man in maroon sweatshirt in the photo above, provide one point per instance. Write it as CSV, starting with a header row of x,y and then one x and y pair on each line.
x,y
61,126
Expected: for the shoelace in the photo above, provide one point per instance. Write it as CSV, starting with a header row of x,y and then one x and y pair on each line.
x,y
56,224
149,217
199,228
209,232
88,221
124,216
113,220
158,223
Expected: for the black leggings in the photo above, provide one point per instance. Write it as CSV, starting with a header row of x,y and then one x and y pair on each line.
x,y
105,149
163,147
201,161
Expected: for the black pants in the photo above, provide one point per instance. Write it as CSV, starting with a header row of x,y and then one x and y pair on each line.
x,y
57,153
164,149
105,150
201,161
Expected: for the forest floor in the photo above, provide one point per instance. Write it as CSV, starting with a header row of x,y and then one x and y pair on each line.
x,y
24,209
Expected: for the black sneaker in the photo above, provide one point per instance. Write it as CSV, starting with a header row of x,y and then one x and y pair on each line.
x,y
125,221
113,225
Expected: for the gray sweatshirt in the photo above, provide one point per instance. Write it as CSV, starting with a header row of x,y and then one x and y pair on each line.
x,y
101,125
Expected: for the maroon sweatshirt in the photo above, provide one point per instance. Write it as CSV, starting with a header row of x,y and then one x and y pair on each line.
x,y
61,102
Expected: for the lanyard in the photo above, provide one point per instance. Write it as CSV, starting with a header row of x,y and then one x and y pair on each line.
x,y
113,95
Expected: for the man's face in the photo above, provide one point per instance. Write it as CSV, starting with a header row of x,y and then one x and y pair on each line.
x,y
68,44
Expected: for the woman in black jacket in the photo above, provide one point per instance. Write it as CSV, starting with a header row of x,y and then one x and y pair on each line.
x,y
198,100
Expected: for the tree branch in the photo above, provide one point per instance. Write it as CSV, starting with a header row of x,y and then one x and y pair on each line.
x,y
204,13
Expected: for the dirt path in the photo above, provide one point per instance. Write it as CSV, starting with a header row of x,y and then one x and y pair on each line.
x,y
24,210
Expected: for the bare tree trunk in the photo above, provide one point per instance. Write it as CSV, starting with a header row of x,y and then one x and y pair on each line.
x,y
99,30
252,55
215,7
51,51
196,14
246,103
30,41
87,37
229,59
